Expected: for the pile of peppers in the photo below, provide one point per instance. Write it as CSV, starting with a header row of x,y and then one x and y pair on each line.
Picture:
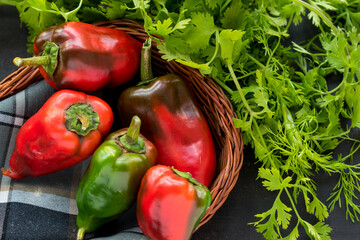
x,y
160,159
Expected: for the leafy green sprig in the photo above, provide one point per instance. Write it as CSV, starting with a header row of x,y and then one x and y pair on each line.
x,y
290,127
285,107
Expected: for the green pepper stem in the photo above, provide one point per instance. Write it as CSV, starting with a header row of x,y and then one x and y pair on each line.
x,y
48,59
134,130
187,176
81,119
146,67
132,140
80,234
32,61
84,120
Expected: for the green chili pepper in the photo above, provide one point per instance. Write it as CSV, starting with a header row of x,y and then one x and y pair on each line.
x,y
111,182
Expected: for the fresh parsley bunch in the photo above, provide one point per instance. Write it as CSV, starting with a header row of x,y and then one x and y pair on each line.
x,y
286,109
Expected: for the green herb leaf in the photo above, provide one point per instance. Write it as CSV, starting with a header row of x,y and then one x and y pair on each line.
x,y
228,39
198,36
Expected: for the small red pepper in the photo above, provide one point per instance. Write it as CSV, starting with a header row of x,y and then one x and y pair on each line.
x,y
65,131
84,57
172,121
170,204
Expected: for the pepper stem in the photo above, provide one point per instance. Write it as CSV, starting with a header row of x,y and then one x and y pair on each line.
x,y
84,120
32,61
80,234
132,140
187,176
81,119
134,130
48,59
146,68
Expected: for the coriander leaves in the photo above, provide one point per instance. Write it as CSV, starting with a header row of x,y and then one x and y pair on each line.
x,y
286,109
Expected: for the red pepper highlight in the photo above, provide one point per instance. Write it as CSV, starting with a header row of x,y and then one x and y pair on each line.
x,y
65,131
84,57
172,120
170,204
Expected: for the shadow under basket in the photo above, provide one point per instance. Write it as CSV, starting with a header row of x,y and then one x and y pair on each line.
x,y
213,102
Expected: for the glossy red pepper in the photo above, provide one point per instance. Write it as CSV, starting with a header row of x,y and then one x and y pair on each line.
x,y
170,204
84,57
173,122
65,131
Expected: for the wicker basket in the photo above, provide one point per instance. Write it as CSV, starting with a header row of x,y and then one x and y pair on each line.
x,y
213,102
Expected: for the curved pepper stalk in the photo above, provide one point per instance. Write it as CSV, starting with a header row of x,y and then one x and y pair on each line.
x,y
111,182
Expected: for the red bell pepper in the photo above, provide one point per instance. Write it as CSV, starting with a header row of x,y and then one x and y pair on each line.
x,y
172,121
170,204
65,131
84,57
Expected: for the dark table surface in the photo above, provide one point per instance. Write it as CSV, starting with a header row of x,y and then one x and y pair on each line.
x,y
248,197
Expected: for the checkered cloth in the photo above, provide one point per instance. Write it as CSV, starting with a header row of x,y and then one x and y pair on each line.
x,y
44,207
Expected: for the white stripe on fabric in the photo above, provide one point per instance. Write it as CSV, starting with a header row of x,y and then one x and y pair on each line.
x,y
20,103
19,111
43,200
18,122
11,120
6,181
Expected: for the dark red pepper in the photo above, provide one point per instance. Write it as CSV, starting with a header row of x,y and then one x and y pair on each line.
x,y
173,122
170,204
65,131
84,57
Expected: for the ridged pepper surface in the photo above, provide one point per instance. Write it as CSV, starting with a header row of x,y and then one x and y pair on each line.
x,y
111,182
84,57
170,204
65,131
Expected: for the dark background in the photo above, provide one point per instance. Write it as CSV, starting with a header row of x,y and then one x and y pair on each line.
x,y
248,197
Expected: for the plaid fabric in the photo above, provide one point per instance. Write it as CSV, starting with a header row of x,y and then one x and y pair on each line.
x,y
44,207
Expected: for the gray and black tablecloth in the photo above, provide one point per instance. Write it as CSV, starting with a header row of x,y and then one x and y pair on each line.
x,y
42,207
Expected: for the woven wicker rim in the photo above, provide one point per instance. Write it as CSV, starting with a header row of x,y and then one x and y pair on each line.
x,y
212,101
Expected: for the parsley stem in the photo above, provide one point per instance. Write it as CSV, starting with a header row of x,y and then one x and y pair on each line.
x,y
277,44
255,61
74,11
242,96
216,47
225,5
289,22
292,203
247,74
7,2
65,15
319,13
291,132
224,86
239,89
270,158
